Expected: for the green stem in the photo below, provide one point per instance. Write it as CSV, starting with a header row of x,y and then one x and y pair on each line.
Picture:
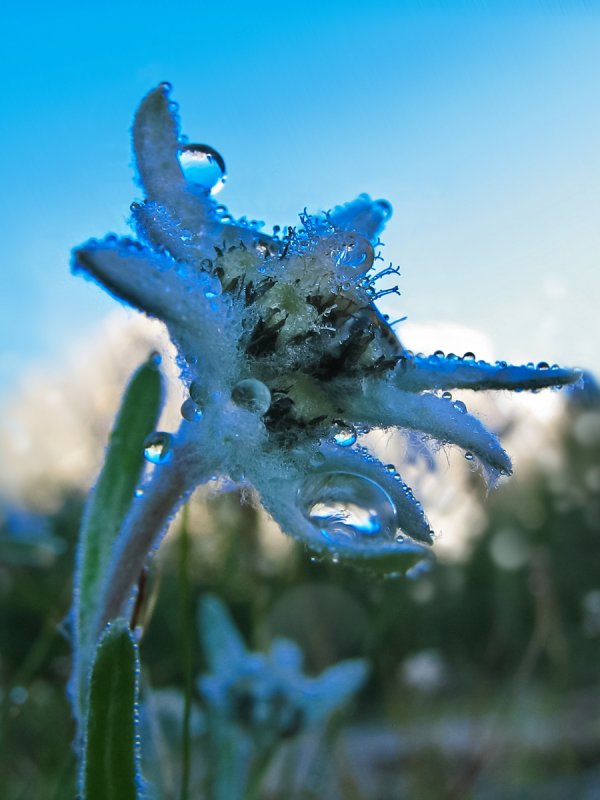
x,y
186,645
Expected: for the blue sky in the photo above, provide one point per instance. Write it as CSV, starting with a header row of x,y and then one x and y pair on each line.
x,y
480,122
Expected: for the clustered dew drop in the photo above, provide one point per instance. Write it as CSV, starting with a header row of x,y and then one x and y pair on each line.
x,y
343,435
345,507
252,395
203,167
157,447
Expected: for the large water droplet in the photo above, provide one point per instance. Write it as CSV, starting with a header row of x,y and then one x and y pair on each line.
x,y
345,507
191,411
253,395
343,435
157,447
354,251
203,166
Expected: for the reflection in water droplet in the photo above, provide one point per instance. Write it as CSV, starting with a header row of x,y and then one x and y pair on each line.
x,y
191,411
203,166
343,435
157,447
345,507
252,395
355,251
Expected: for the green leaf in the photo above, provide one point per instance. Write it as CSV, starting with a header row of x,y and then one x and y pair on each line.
x,y
111,769
107,507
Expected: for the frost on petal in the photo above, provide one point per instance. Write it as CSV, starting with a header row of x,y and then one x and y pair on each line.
x,y
383,405
417,374
223,646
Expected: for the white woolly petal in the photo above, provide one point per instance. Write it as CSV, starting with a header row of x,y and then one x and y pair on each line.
x,y
181,297
383,405
417,374
363,215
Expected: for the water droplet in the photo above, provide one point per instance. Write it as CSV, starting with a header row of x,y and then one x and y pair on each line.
x,y
166,87
343,435
157,447
460,406
155,358
191,411
543,365
390,468
452,356
355,251
345,506
439,354
446,395
469,455
203,166
253,395
139,492
469,356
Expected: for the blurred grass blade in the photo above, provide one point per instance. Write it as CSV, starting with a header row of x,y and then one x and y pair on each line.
x,y
110,769
107,507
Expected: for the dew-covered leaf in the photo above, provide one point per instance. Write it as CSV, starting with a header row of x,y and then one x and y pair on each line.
x,y
107,507
111,761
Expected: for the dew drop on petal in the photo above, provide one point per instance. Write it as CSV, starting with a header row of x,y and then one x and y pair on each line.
x,y
252,395
203,166
191,411
469,356
469,456
460,406
343,435
345,507
354,251
446,395
157,447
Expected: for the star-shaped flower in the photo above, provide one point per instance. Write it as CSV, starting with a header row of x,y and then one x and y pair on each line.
x,y
285,358
267,695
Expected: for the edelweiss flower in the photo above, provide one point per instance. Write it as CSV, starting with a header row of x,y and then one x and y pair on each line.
x,y
267,695
286,360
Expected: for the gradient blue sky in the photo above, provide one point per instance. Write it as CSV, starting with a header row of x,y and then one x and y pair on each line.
x,y
480,122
